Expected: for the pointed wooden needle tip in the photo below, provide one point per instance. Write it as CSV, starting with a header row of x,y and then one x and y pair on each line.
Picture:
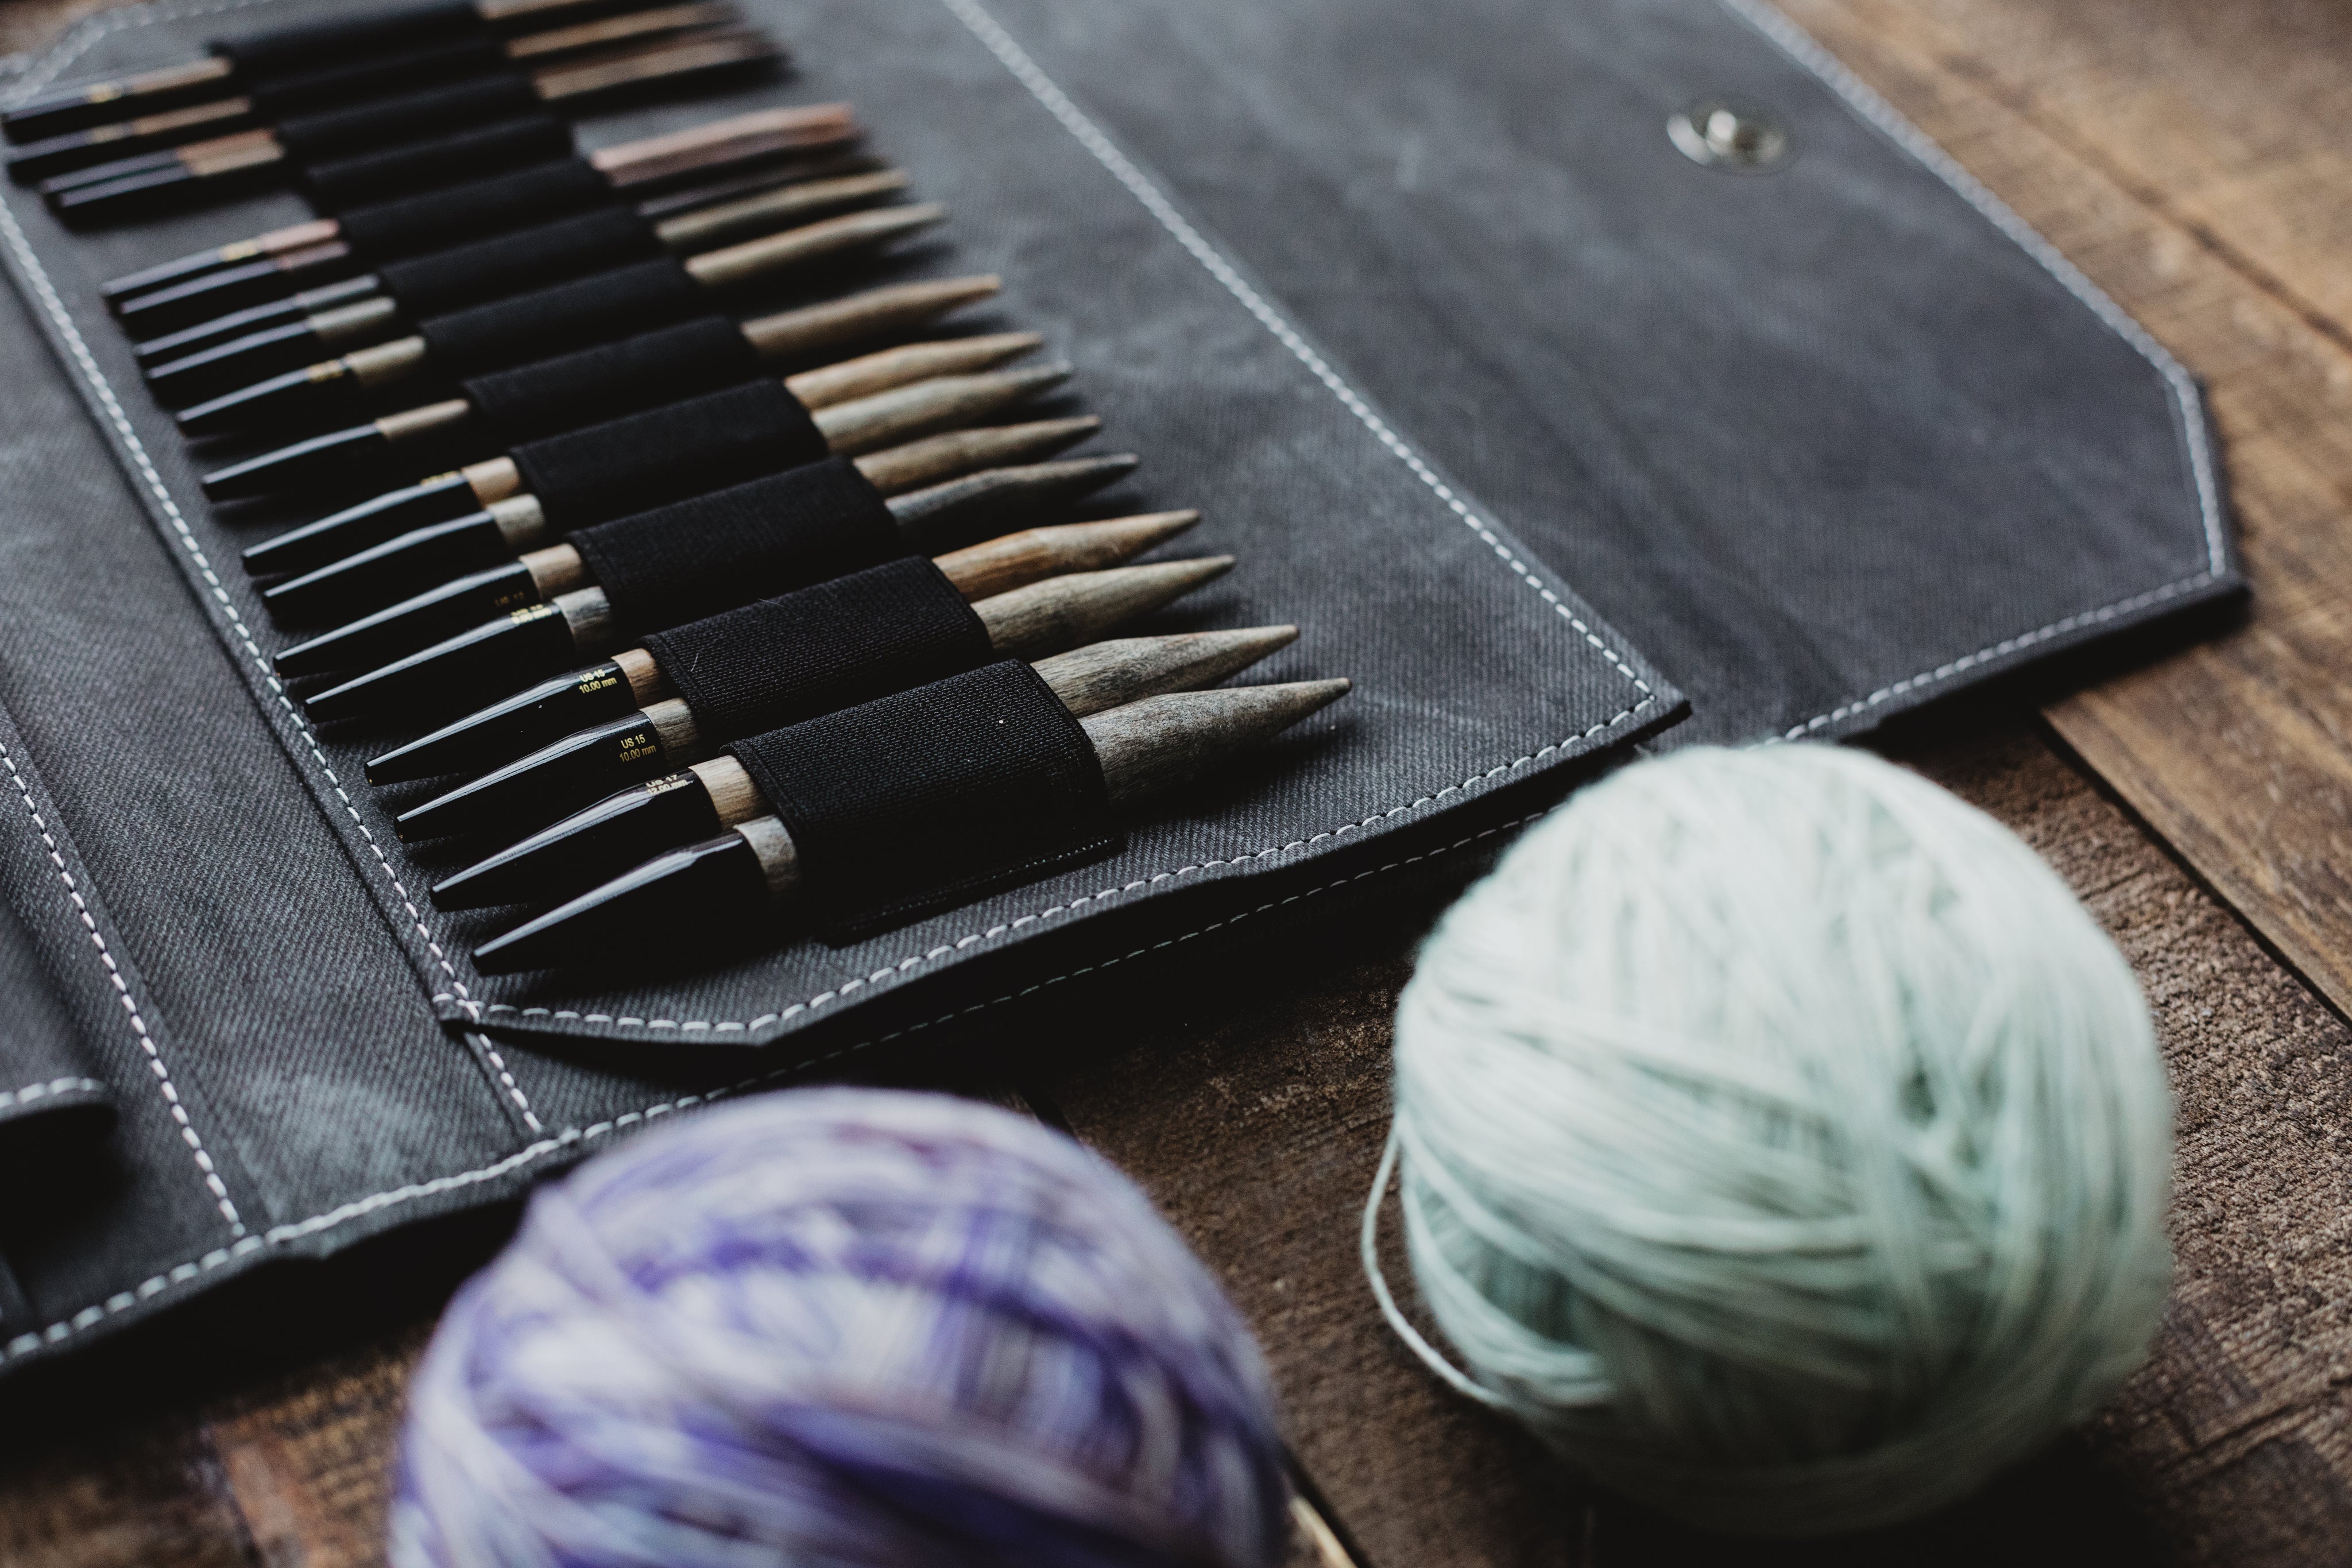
x,y
1065,612
1135,535
1162,742
1103,675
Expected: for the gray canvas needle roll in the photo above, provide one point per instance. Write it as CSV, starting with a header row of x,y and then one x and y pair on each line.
x,y
1781,1142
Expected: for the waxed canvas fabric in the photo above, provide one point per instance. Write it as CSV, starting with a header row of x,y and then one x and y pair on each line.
x,y
1531,424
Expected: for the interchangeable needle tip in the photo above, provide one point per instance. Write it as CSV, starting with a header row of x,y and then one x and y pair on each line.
x,y
524,645
308,389
364,524
532,790
419,620
686,897
385,574
258,340
513,726
590,846
339,459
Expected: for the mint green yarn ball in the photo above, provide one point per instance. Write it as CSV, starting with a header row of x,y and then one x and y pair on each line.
x,y
1781,1142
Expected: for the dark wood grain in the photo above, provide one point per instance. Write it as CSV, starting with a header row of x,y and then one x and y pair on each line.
x,y
155,1497
306,1456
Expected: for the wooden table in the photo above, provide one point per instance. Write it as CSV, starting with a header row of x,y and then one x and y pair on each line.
x,y
2189,155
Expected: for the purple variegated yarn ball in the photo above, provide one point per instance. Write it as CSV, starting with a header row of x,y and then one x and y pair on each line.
x,y
843,1326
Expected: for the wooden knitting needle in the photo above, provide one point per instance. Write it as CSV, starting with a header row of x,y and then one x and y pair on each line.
x,y
928,519
499,202
888,418
709,794
524,644
582,305
209,312
1025,622
56,154
386,124
537,574
392,571
329,387
819,328
252,154
62,107
1144,748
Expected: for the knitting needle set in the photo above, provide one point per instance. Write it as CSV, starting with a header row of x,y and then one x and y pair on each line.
x,y
694,583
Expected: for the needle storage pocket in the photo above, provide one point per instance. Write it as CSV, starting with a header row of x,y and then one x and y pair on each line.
x,y
1579,427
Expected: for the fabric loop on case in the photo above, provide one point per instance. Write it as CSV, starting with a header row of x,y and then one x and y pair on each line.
x,y
272,52
689,448
355,81
434,220
890,628
392,122
561,317
608,380
925,798
416,167
694,557
527,258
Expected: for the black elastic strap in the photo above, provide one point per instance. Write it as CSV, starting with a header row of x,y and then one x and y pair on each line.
x,y
712,552
355,81
562,316
665,455
912,802
409,117
888,629
612,379
454,214
525,259
414,166
271,52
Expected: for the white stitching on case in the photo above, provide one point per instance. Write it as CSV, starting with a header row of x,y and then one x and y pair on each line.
x,y
12,1098
1800,47
164,1085
2006,646
498,1063
1058,104
182,1273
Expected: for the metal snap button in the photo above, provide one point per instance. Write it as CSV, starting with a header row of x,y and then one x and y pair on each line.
x,y
1721,135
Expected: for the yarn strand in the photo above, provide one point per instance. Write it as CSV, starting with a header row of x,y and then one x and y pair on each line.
x,y
1414,1340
